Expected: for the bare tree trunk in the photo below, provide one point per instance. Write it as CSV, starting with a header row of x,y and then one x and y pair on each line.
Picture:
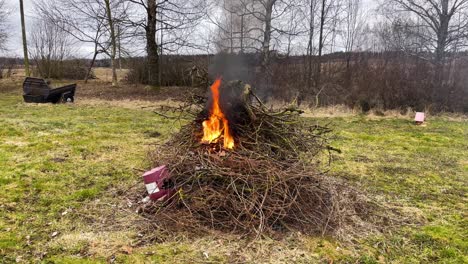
x,y
440,53
267,34
91,65
231,37
319,59
120,47
151,44
49,65
310,44
114,46
352,11
25,43
242,34
161,55
442,33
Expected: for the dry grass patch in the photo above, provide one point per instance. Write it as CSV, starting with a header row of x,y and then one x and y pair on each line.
x,y
130,104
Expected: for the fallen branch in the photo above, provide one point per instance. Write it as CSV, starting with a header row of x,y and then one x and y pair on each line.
x,y
272,181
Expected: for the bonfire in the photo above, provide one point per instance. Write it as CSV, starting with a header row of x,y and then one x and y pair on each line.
x,y
242,167
217,124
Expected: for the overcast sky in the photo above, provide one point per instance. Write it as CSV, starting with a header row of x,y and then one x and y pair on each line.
x,y
15,45
15,42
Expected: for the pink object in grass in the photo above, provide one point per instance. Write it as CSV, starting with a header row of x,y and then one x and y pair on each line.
x,y
419,118
158,183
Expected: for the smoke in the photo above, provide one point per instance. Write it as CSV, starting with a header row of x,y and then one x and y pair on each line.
x,y
232,67
240,67
237,70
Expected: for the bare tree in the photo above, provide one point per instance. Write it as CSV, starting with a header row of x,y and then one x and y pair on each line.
x,y
258,25
322,18
266,11
353,27
50,45
175,17
4,12
328,21
312,6
151,44
287,26
267,16
25,43
229,27
87,21
441,24
238,28
113,42
435,28
353,24
293,29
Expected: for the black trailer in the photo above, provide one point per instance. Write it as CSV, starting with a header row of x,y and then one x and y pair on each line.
x,y
36,90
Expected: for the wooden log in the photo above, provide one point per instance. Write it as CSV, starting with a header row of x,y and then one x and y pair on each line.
x,y
246,94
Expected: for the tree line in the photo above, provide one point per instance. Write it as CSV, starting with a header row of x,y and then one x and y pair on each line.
x,y
396,54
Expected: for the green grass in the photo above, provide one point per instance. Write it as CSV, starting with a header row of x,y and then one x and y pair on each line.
x,y
64,158
423,168
58,157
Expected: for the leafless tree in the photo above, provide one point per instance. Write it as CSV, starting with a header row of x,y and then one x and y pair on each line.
x,y
4,12
323,13
174,17
113,41
87,21
323,19
293,28
266,18
238,29
440,24
353,24
328,17
312,9
50,45
431,29
25,43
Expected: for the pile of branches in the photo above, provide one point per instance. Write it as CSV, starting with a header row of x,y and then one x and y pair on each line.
x,y
272,181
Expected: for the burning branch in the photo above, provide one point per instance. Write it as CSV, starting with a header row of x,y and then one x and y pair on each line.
x,y
217,123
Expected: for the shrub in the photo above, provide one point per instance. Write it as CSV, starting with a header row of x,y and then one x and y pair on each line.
x,y
68,69
6,67
175,71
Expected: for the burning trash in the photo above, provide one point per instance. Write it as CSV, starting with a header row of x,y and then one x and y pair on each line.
x,y
241,167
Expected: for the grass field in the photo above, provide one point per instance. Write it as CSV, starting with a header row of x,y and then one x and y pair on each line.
x,y
64,169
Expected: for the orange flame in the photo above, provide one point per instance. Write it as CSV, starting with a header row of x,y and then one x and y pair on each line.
x,y
217,123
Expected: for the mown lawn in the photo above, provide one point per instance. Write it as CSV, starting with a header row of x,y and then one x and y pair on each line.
x,y
56,161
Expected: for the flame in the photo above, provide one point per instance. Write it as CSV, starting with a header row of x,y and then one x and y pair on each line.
x,y
217,123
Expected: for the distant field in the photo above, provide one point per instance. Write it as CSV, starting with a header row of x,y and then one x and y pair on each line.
x,y
64,170
102,73
105,74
